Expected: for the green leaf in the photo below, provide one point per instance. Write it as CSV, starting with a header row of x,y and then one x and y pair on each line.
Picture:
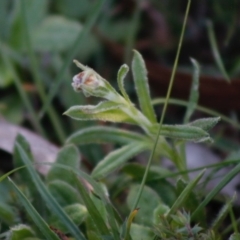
x,y
92,210
235,236
51,203
159,211
76,212
38,220
6,213
136,171
55,34
104,134
184,194
36,12
205,123
104,111
21,231
184,132
147,203
23,175
222,214
69,156
5,77
64,193
73,9
120,78
142,88
117,158
215,51
228,177
138,232
194,94
191,202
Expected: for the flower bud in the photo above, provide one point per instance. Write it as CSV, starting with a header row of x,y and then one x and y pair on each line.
x,y
92,84
86,81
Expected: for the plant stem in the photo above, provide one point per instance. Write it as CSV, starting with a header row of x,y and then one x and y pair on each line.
x,y
164,108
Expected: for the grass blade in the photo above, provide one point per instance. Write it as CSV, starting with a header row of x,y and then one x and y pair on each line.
x,y
38,220
93,211
215,50
50,201
37,78
185,193
10,172
222,214
218,188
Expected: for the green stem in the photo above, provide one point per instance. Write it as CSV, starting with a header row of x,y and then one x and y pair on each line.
x,y
37,78
164,108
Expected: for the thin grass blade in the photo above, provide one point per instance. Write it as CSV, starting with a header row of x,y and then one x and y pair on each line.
x,y
222,214
185,193
218,188
93,211
215,51
38,220
4,176
50,201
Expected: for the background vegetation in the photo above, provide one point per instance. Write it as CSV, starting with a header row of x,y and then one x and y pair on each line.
x,y
39,40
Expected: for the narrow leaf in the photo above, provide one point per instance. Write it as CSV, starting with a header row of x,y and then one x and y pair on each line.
x,y
184,132
217,189
117,158
185,193
235,236
120,77
205,123
10,172
69,156
104,111
222,214
21,231
103,134
93,211
193,98
142,88
77,213
38,220
50,201
215,50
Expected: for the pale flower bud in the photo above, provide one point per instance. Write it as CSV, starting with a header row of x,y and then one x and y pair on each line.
x,y
92,84
86,81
